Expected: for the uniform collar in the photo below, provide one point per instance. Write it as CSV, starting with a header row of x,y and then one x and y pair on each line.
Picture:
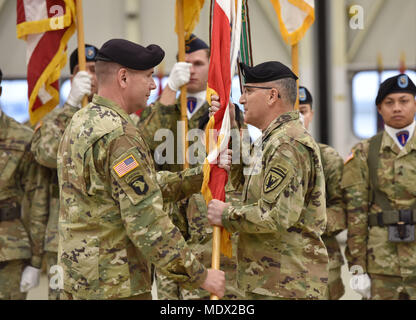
x,y
99,100
388,143
200,98
392,133
3,125
286,117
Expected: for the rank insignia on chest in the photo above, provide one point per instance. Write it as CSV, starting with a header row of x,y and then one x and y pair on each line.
x,y
191,104
125,166
274,178
139,185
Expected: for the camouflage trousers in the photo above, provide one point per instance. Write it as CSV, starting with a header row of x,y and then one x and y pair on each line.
x,y
335,284
145,296
51,260
10,276
392,288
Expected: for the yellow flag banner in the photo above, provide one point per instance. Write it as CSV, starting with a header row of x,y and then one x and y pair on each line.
x,y
295,18
191,11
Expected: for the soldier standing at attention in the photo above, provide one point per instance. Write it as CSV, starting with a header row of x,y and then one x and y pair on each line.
x,y
281,254
332,164
45,142
379,190
21,244
111,221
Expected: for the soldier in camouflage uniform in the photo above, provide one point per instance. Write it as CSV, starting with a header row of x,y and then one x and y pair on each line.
x,y
21,233
111,221
379,190
332,164
281,254
48,134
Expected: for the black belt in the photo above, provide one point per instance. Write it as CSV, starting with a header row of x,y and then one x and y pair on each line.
x,y
391,217
11,213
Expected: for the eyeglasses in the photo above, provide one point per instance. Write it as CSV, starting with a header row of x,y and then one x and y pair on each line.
x,y
258,87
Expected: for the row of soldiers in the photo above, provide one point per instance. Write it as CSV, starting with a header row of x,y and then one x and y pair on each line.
x,y
87,191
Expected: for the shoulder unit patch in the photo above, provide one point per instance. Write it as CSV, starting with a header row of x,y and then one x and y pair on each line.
x,y
125,166
274,178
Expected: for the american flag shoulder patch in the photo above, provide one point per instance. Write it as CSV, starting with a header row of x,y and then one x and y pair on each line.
x,y
125,166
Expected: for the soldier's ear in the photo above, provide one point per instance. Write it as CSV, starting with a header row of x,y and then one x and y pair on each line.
x,y
122,77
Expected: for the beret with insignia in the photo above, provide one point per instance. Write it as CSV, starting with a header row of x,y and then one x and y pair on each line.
x,y
397,84
305,96
194,43
131,55
266,71
90,54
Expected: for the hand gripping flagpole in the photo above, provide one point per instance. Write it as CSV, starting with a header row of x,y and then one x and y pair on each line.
x,y
81,43
181,58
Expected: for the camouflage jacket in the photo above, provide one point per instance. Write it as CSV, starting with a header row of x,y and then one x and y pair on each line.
x,y
111,222
200,241
280,249
333,164
369,247
45,144
21,180
160,116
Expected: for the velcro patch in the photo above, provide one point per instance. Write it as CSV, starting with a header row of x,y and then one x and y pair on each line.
x,y
139,185
274,178
125,166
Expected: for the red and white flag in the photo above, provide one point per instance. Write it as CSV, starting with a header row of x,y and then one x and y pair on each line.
x,y
46,25
225,44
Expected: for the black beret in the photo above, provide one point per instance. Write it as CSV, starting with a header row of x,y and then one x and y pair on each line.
x,y
194,44
305,96
1,76
266,71
131,55
399,83
90,54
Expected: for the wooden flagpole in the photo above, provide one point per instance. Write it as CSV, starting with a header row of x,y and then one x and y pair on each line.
x,y
81,43
295,69
181,58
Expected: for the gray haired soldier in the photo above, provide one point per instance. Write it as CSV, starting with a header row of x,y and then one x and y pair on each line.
x,y
48,134
21,233
379,190
281,254
332,164
112,226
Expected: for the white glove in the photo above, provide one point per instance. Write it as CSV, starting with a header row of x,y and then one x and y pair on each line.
x,y
180,75
30,279
361,283
80,86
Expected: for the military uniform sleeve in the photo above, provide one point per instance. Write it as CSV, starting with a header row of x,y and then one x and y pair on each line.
x,y
176,186
45,144
36,185
337,218
355,192
147,225
281,202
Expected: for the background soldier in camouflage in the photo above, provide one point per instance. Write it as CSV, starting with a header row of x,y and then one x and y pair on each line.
x,y
199,239
280,251
111,222
381,204
21,233
46,138
332,164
